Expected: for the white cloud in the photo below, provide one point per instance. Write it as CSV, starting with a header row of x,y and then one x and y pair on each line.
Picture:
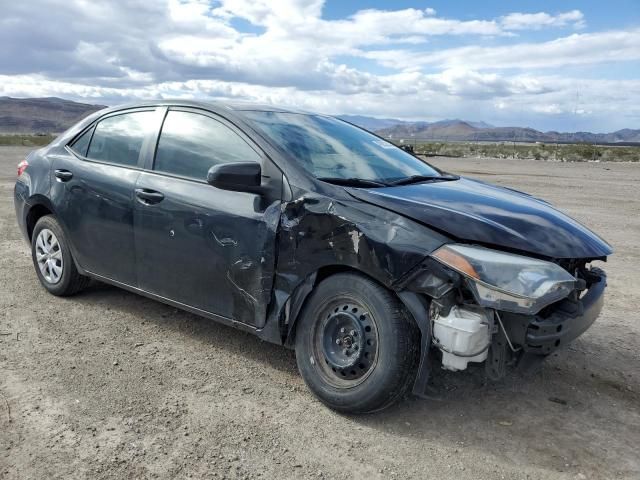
x,y
501,100
291,55
552,108
575,49
469,83
537,21
271,12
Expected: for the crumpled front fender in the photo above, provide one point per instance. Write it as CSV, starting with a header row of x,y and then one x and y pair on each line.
x,y
317,232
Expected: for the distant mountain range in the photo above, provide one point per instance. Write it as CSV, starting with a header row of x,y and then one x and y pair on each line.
x,y
376,124
54,115
460,130
41,115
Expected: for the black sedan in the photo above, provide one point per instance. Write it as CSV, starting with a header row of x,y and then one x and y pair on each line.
x,y
312,233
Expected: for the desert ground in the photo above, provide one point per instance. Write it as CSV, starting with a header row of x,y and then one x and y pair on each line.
x,y
111,385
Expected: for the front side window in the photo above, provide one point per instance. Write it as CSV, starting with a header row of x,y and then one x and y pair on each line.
x,y
191,143
119,139
327,147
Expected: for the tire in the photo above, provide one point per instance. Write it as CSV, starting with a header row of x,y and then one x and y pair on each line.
x,y
48,242
376,344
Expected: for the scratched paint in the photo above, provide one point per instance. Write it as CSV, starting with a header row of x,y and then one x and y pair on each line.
x,y
251,268
316,232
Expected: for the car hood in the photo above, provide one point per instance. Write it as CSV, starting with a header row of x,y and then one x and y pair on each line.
x,y
474,211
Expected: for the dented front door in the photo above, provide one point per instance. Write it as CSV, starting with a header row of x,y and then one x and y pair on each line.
x,y
206,248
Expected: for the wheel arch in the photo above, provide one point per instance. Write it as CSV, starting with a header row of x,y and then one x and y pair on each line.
x,y
417,306
413,303
40,206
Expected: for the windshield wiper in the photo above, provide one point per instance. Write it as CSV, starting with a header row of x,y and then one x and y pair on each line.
x,y
353,182
423,178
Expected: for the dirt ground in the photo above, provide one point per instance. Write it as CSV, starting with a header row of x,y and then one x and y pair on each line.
x,y
111,385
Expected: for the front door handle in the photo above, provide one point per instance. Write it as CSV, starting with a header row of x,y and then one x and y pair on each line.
x,y
149,197
63,175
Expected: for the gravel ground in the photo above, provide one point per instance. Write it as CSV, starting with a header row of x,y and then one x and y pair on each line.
x,y
111,385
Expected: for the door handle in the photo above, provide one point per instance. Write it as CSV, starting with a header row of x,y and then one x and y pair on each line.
x,y
63,175
149,197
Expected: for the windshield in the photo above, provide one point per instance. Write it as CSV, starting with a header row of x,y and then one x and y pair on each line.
x,y
330,148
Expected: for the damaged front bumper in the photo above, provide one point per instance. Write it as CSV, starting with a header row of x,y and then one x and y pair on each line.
x,y
559,324
505,339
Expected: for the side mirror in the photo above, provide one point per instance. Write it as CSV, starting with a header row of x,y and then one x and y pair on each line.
x,y
237,176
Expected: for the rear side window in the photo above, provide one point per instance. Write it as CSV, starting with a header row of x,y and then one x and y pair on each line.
x,y
119,139
190,144
82,143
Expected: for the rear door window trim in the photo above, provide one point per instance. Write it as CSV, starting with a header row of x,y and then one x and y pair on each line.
x,y
141,156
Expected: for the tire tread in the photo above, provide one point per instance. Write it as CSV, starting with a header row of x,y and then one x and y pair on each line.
x,y
72,281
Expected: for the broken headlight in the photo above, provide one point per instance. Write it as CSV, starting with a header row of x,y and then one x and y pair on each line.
x,y
505,281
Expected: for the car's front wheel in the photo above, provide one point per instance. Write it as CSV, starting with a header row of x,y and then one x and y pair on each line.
x,y
52,259
356,346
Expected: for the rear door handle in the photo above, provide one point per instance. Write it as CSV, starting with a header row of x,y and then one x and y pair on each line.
x,y
149,197
63,175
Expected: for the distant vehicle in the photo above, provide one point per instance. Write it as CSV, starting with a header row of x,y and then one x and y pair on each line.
x,y
311,233
407,148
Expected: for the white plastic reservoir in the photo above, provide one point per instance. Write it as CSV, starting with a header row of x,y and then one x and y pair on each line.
x,y
462,333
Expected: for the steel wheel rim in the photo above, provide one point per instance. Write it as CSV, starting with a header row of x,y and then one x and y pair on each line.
x,y
49,256
348,363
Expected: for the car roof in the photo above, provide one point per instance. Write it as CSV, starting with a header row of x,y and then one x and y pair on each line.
x,y
220,105
236,108
262,107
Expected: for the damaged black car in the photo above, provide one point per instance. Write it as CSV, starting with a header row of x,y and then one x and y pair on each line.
x,y
312,233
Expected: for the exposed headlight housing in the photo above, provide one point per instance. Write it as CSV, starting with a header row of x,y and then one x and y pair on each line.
x,y
505,281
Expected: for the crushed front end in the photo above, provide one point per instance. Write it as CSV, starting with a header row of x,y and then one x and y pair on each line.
x,y
505,309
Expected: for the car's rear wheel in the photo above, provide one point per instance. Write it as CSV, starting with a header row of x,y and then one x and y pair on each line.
x,y
356,346
52,259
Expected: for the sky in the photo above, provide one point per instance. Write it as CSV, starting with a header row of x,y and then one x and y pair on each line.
x,y
549,65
